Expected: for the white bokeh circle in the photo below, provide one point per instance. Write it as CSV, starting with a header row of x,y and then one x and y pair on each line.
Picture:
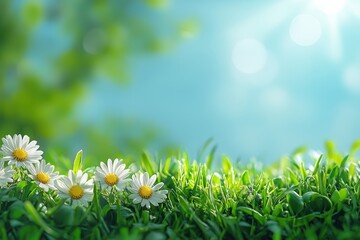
x,y
305,30
249,56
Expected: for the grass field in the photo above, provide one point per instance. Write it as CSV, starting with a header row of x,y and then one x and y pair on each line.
x,y
302,196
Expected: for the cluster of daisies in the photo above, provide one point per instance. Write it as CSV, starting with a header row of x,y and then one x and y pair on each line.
x,y
77,188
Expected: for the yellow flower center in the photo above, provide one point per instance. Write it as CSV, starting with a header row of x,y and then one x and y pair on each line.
x,y
20,154
145,192
76,192
43,177
111,179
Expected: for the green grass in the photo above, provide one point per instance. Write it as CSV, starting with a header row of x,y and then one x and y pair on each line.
x,y
298,197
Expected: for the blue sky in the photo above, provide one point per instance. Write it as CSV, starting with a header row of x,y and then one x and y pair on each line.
x,y
260,77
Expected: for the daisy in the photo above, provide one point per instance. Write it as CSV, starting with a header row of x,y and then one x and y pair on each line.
x,y
144,192
43,174
5,175
113,174
19,151
76,188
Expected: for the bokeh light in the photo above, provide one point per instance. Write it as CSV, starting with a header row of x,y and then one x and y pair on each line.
x,y
351,77
330,7
249,56
305,30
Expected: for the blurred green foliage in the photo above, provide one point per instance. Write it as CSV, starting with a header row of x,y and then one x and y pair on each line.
x,y
97,40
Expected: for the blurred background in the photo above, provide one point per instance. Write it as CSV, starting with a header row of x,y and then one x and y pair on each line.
x,y
115,78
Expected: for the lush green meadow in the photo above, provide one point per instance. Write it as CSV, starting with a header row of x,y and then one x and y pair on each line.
x,y
302,196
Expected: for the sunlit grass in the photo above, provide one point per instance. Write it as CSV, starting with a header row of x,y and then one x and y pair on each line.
x,y
298,197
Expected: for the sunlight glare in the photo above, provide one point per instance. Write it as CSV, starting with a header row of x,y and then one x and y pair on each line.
x,y
330,7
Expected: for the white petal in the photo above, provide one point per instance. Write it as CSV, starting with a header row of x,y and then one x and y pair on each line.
x,y
104,168
144,201
31,169
162,192
145,178
152,180
134,195
133,190
67,182
137,200
61,186
31,145
17,141
109,165
116,163
153,202
157,186
83,179
25,142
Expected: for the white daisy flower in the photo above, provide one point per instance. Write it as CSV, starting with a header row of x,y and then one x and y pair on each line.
x,y
144,192
19,151
76,188
113,174
5,175
43,174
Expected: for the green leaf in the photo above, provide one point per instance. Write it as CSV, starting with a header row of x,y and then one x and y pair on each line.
x,y
317,202
278,182
22,184
35,216
317,165
293,177
147,164
343,162
216,179
355,147
343,193
295,202
334,173
155,235
245,177
278,210
274,227
226,164
64,216
352,169
167,165
76,234
210,157
260,218
300,150
145,216
3,232
30,232
17,210
332,153
335,197
78,162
